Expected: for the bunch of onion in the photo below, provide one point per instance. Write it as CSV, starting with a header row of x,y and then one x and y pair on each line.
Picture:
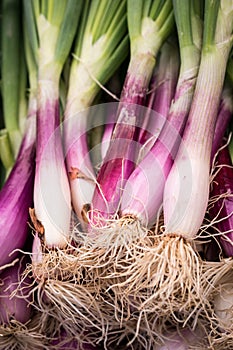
x,y
169,274
107,237
99,51
154,23
127,242
116,272
82,292
191,168
94,251
50,28
55,265
187,187
166,282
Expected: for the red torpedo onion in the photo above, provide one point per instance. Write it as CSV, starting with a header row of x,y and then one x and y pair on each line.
x,y
148,30
187,187
55,27
101,47
51,175
16,196
143,193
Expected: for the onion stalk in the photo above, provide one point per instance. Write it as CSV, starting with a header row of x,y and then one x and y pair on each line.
x,y
10,70
121,245
55,24
6,154
101,46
